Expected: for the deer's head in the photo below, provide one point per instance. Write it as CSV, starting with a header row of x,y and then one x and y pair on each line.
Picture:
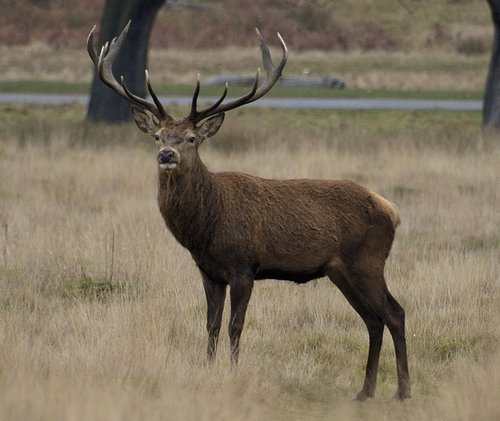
x,y
178,139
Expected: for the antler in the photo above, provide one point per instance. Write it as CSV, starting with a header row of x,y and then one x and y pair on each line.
x,y
272,75
109,51
104,65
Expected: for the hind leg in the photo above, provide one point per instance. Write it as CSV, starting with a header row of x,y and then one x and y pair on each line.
x,y
395,321
373,323
367,292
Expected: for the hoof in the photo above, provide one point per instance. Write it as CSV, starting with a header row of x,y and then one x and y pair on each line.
x,y
401,395
362,397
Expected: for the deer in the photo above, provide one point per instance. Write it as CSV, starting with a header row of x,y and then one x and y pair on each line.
x,y
240,228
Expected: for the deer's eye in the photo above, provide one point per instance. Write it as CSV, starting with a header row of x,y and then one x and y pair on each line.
x,y
157,137
191,138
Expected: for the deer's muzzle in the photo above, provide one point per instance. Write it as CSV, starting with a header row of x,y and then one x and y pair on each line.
x,y
167,159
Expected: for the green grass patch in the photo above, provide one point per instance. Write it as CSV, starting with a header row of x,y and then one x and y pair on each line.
x,y
26,117
378,122
93,288
44,87
51,87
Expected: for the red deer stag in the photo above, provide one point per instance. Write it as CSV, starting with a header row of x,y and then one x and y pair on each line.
x,y
240,228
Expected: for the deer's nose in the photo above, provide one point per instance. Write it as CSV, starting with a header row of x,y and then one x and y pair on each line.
x,y
165,155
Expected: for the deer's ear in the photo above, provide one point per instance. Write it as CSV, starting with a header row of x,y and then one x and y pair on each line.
x,y
211,126
146,121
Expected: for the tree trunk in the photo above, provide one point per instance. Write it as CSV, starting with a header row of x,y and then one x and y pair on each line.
x,y
106,105
491,102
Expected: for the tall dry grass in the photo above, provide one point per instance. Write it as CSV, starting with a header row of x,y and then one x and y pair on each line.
x,y
102,313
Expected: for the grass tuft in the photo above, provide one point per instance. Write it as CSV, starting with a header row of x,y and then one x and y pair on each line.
x,y
102,289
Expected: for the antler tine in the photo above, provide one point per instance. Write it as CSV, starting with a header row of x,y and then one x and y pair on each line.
x,y
196,116
219,101
104,64
266,55
272,75
90,46
137,100
193,113
156,100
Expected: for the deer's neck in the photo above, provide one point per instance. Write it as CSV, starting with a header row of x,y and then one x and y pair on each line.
x,y
190,204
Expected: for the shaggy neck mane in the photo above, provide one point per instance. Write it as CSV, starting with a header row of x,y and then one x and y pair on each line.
x,y
190,204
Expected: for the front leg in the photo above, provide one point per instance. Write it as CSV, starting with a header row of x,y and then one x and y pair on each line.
x,y
216,294
240,291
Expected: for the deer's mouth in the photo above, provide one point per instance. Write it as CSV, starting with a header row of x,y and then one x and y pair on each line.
x,y
169,166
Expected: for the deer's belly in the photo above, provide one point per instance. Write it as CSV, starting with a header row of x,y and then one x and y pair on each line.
x,y
299,277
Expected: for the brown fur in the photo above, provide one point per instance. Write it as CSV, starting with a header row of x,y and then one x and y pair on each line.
x,y
240,228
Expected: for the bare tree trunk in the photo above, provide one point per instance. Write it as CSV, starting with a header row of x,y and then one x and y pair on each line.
x,y
104,104
491,103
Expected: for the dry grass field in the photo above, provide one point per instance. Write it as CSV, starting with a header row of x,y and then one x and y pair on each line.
x,y
102,314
